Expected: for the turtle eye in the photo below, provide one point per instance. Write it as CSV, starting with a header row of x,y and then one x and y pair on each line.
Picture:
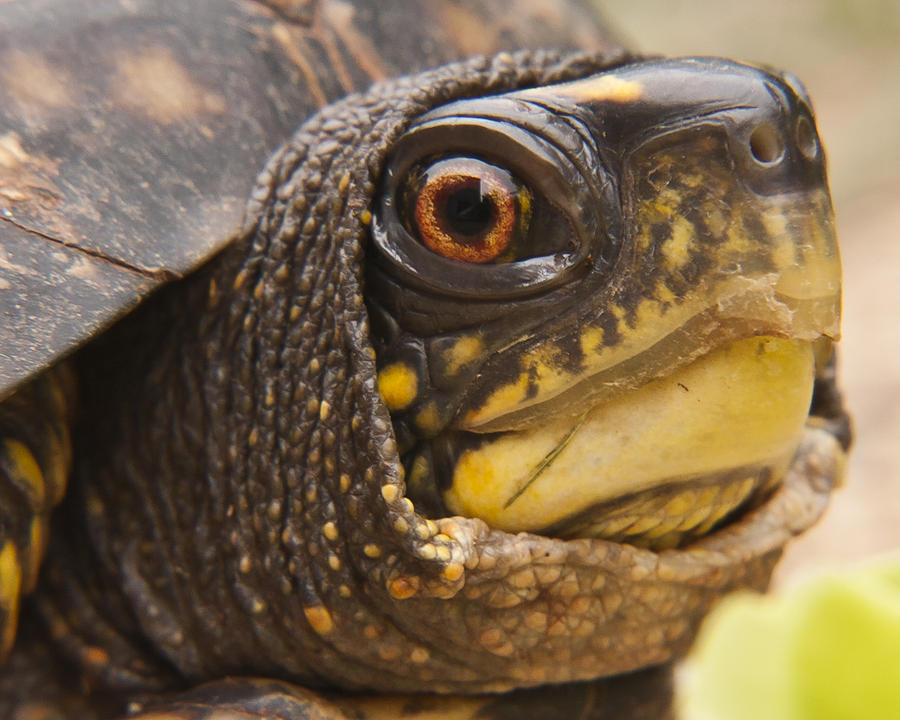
x,y
466,209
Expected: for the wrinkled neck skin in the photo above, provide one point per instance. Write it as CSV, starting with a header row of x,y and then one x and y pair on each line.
x,y
238,506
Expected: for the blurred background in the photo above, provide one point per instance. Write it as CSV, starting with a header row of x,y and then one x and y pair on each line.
x,y
847,52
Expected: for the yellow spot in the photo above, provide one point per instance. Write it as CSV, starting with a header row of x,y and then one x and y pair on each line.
x,y
676,250
419,655
427,419
319,618
344,183
365,217
344,591
10,575
345,483
403,587
10,586
371,632
334,562
24,471
244,565
390,492
295,313
427,552
501,400
600,88
400,525
330,531
371,550
681,504
591,340
324,410
463,351
37,547
398,385
388,652
253,437
96,656
453,572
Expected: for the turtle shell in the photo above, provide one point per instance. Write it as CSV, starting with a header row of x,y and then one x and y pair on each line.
x,y
133,130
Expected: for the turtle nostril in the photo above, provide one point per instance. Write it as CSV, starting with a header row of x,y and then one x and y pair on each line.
x,y
807,141
766,144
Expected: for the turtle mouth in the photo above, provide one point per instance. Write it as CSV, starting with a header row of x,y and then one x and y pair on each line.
x,y
675,513
657,467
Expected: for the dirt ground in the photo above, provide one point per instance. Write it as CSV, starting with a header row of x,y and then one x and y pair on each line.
x,y
848,54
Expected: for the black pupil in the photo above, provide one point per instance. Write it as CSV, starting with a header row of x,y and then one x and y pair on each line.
x,y
468,212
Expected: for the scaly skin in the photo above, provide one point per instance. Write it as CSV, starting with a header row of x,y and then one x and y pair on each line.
x,y
237,505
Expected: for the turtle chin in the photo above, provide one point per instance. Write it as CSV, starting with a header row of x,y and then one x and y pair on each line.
x,y
655,467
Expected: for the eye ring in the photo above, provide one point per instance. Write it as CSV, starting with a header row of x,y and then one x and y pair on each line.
x,y
468,210
580,208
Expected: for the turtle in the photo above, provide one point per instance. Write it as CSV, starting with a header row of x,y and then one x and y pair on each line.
x,y
512,358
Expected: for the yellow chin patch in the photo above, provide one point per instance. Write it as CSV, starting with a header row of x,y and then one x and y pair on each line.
x,y
742,405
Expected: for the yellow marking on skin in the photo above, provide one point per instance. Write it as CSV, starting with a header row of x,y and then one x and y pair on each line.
x,y
502,399
419,655
324,410
319,619
344,483
25,471
253,437
453,572
330,531
428,419
591,340
663,293
344,183
37,547
400,526
10,575
365,217
371,550
463,351
403,587
746,405
334,562
390,492
427,552
10,588
398,385
676,250
599,88
681,503
96,656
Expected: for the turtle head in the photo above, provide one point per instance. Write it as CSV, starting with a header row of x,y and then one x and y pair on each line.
x,y
600,306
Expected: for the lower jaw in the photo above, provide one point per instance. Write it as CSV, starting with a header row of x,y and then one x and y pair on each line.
x,y
674,513
659,468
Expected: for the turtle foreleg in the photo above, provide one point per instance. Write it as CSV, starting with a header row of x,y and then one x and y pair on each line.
x,y
643,695
241,699
35,459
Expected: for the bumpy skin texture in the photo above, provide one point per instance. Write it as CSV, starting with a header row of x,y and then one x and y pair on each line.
x,y
237,505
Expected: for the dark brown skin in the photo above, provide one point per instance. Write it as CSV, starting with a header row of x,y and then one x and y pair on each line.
x,y
236,506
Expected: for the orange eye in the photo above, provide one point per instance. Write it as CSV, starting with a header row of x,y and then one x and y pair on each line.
x,y
469,210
